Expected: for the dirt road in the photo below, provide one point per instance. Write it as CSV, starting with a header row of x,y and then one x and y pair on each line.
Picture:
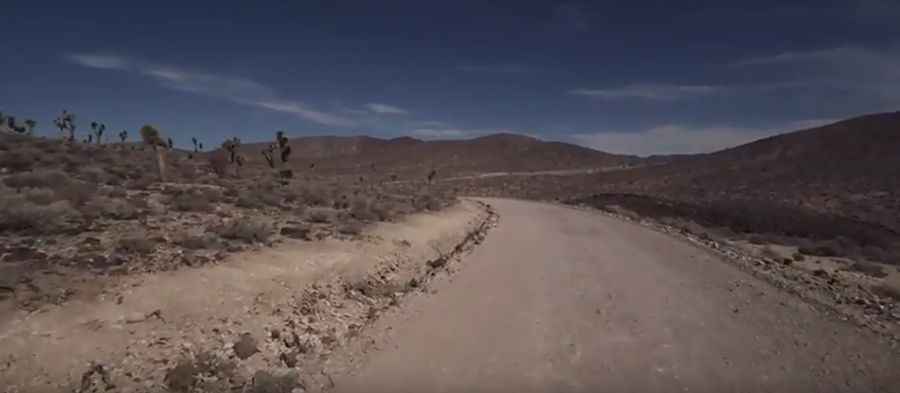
x,y
558,299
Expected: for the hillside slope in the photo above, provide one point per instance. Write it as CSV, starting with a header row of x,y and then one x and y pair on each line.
x,y
407,156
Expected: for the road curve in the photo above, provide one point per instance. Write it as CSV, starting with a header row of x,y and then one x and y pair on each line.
x,y
559,300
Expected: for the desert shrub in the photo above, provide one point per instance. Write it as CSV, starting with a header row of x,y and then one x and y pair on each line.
x,y
40,196
137,244
360,209
140,183
352,228
426,202
231,192
36,179
218,162
869,269
248,230
314,196
818,251
20,160
798,257
188,201
18,214
93,174
248,200
118,209
269,199
116,192
198,242
887,291
76,193
320,216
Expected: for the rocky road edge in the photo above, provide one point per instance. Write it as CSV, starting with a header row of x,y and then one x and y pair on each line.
x,y
308,328
845,300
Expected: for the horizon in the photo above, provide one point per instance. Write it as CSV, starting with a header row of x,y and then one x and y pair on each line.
x,y
684,79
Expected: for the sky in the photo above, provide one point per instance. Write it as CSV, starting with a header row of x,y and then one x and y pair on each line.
x,y
636,77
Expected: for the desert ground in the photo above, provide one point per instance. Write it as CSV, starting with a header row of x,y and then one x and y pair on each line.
x,y
492,264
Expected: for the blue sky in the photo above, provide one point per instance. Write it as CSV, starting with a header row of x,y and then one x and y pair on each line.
x,y
631,76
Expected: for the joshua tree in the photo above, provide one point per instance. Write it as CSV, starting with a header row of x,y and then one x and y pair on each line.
x,y
169,142
431,175
284,151
98,129
194,140
152,137
66,124
123,135
232,146
90,138
201,145
30,124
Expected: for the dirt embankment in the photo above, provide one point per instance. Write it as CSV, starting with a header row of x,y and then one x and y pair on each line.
x,y
262,320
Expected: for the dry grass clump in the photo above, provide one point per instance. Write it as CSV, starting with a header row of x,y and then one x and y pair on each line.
x,y
19,214
198,242
21,159
137,244
191,201
114,208
869,269
352,228
36,179
248,230
320,215
887,291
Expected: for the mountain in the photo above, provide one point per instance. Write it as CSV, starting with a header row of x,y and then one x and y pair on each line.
x,y
407,156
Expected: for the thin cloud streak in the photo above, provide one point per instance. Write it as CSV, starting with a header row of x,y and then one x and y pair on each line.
x,y
384,109
660,92
238,90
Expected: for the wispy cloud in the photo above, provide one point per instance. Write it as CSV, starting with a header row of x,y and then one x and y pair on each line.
x,y
650,92
106,62
460,133
235,89
497,69
384,109
681,139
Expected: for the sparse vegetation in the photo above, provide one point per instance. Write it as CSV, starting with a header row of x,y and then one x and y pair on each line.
x,y
137,244
247,230
152,138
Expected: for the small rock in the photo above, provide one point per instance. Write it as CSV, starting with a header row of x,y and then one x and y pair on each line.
x,y
245,347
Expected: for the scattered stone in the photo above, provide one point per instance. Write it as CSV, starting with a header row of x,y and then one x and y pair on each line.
x,y
245,347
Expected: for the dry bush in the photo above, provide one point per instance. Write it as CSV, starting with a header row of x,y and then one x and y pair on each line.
x,y
18,214
140,183
36,179
248,230
353,228
218,162
94,174
116,192
818,251
198,242
190,201
76,193
360,209
887,291
320,215
137,244
248,200
118,209
40,196
20,160
426,202
314,196
869,269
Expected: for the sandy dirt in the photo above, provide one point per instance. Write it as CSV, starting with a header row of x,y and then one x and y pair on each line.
x,y
559,299
139,326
